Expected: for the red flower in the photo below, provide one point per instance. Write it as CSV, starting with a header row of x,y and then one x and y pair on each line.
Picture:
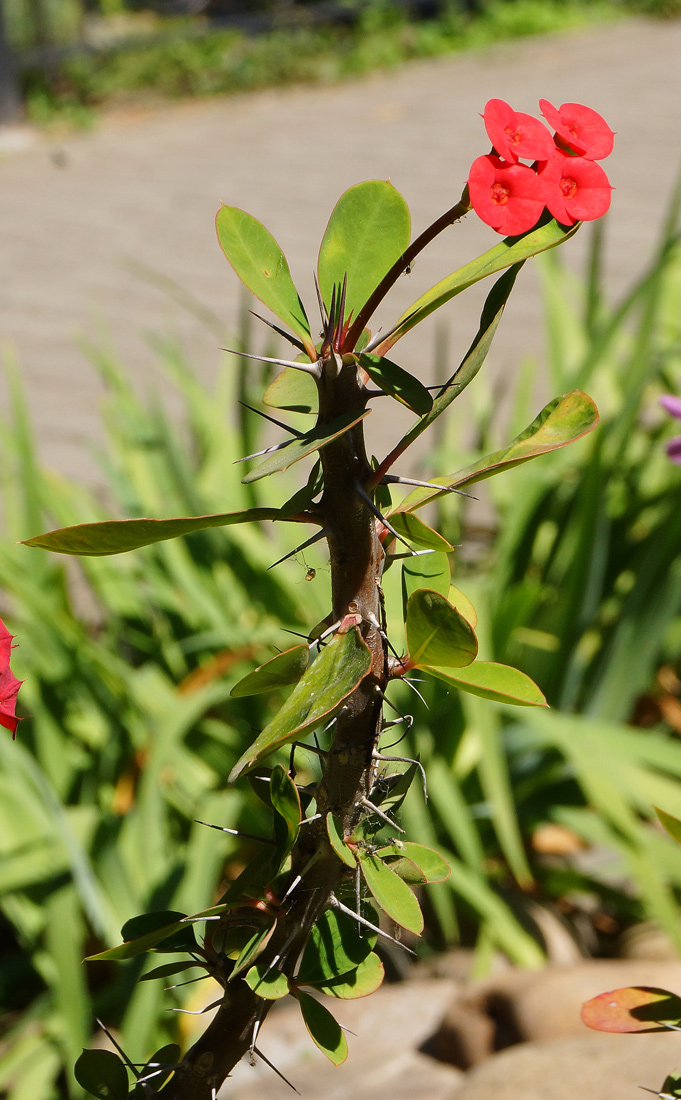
x,y
509,197
514,134
575,189
581,129
9,685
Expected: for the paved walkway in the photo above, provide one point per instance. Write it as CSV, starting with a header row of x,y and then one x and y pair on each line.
x,y
145,188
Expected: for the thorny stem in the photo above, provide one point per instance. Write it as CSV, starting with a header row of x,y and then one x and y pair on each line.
x,y
356,560
388,281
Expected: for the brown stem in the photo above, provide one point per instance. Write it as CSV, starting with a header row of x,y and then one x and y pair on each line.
x,y
388,281
356,558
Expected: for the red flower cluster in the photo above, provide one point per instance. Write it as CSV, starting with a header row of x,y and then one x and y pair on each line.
x,y
564,177
9,685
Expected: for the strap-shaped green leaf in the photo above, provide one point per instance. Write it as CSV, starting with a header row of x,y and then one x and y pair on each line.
x,y
512,250
254,946
292,390
286,806
280,671
336,672
117,536
562,421
337,841
368,231
490,680
398,383
418,532
324,1030
392,894
102,1074
437,634
304,445
362,981
147,931
261,265
167,970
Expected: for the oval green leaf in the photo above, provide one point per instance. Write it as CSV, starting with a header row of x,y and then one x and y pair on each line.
x,y
490,680
425,571
463,605
512,250
261,265
117,536
267,982
398,383
368,231
102,1074
437,634
418,532
324,1030
280,671
304,445
335,947
337,841
635,1008
562,421
392,894
336,672
433,866
357,983
169,1056
292,390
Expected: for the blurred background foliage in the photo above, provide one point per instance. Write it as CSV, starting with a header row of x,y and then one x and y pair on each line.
x,y
573,562
75,56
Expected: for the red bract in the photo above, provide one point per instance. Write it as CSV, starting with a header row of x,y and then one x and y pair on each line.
x,y
509,197
9,685
582,129
575,189
514,134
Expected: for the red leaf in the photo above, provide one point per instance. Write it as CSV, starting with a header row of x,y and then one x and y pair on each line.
x,y
9,685
635,1008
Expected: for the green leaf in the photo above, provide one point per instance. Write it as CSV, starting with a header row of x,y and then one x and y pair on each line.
x,y
280,671
368,231
392,894
416,531
472,362
671,824
671,1086
304,445
267,982
261,265
362,981
398,383
294,391
425,571
286,805
490,680
253,947
463,605
152,930
635,1008
433,866
512,250
335,947
117,536
337,841
336,672
562,421
437,634
167,970
324,1030
398,785
102,1074
168,1055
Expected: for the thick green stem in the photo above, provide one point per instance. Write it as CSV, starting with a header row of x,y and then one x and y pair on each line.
x,y
356,558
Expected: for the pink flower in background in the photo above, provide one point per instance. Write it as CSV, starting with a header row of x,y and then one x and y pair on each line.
x,y
514,134
509,197
576,189
673,405
9,685
581,128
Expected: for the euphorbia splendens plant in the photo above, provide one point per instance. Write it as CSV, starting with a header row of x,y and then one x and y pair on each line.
x,y
302,919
